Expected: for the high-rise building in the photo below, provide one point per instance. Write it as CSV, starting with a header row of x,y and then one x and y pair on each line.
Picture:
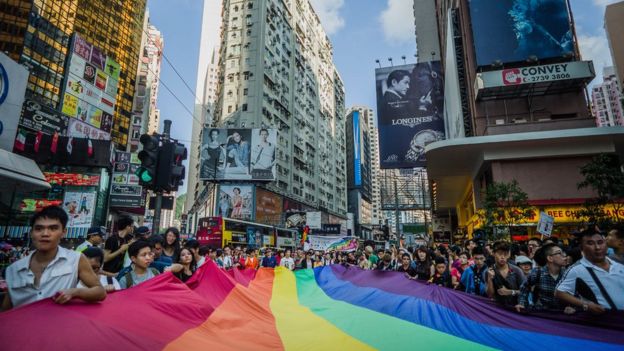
x,y
200,198
38,35
359,170
276,71
515,109
373,136
607,100
145,115
427,41
614,26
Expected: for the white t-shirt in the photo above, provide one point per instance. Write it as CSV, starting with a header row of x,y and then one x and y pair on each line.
x,y
288,262
613,281
104,282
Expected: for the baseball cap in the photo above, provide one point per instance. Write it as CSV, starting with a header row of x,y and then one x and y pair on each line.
x,y
523,259
101,231
143,230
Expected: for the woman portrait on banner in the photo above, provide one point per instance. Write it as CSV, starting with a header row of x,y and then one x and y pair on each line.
x,y
212,155
237,154
263,157
237,203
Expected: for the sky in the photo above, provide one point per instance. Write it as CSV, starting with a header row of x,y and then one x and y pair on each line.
x,y
361,32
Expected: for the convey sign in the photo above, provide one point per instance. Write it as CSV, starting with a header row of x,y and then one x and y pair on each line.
x,y
535,74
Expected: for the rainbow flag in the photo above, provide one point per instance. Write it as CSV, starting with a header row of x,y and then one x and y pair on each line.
x,y
329,308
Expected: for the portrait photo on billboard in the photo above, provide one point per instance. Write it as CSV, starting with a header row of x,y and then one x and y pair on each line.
x,y
212,155
238,153
410,105
236,201
508,31
263,154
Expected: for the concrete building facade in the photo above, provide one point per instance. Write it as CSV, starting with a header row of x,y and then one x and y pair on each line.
x,y
359,170
536,132
607,100
276,71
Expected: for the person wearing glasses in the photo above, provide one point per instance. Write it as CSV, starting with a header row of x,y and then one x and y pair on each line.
x,y
538,292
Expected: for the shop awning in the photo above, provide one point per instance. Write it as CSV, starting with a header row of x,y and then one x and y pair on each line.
x,y
19,172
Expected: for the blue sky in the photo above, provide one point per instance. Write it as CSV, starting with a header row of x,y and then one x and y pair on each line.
x,y
361,32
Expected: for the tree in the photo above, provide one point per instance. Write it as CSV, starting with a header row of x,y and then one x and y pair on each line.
x,y
603,174
505,205
180,201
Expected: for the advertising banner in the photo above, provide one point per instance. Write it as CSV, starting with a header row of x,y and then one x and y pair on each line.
x,y
332,243
513,30
73,179
410,110
268,207
125,191
79,207
313,220
357,152
42,118
91,85
238,154
535,74
13,78
79,129
236,201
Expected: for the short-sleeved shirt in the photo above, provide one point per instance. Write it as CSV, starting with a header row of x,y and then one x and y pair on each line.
x,y
113,244
288,262
61,273
514,280
612,280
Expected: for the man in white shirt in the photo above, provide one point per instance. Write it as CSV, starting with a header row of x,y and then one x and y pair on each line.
x,y
596,278
287,261
227,258
50,270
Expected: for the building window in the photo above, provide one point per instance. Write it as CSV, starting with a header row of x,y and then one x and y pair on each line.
x,y
245,91
230,109
244,107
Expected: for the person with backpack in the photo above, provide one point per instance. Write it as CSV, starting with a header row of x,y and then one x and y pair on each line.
x,y
141,256
597,280
95,256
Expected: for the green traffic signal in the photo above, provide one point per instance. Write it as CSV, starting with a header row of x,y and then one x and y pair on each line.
x,y
145,175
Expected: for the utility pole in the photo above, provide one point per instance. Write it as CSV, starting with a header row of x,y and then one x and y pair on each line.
x,y
159,193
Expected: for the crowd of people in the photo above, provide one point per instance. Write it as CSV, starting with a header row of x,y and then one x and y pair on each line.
x,y
585,276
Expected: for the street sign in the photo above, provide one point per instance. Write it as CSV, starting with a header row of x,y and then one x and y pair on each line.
x,y
545,224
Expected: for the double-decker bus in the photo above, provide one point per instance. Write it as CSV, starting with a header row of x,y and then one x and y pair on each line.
x,y
221,231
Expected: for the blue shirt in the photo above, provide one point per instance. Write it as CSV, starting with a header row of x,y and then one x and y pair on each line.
x,y
270,262
468,281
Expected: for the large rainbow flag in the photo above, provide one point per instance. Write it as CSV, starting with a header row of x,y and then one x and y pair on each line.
x,y
329,308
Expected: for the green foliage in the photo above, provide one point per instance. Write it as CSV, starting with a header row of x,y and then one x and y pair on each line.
x,y
180,201
603,174
504,205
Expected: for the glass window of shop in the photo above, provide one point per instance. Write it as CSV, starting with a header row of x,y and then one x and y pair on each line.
x,y
81,191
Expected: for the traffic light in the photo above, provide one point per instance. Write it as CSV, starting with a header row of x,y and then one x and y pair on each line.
x,y
170,168
149,161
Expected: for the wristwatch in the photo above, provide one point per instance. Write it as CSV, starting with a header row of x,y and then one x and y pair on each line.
x,y
585,307
513,293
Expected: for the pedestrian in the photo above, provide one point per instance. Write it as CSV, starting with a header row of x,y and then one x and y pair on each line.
x,y
288,261
50,270
525,264
186,265
474,279
424,264
95,255
171,247
268,261
538,291
595,283
442,276
504,279
407,267
116,245
193,245
141,255
95,237
615,241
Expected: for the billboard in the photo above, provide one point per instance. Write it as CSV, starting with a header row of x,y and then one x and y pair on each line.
x,y
410,109
13,78
42,118
238,154
535,74
513,30
125,189
357,151
90,90
236,201
79,207
268,207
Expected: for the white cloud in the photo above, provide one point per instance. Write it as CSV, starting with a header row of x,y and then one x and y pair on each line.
x,y
329,13
397,21
595,48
